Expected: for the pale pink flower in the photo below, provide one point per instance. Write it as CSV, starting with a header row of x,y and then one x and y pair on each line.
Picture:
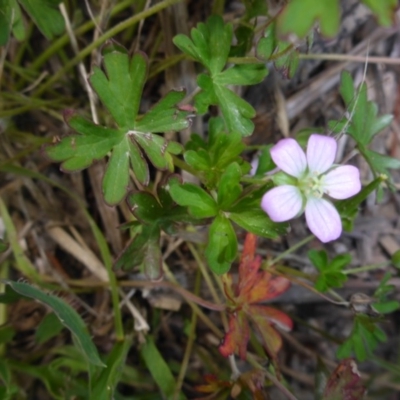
x,y
313,175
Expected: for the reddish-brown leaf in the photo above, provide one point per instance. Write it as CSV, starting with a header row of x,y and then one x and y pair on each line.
x,y
212,385
271,337
253,287
249,264
254,380
236,338
345,383
273,316
265,287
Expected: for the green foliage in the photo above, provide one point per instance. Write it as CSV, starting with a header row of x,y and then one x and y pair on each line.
x,y
104,385
282,53
67,316
44,13
3,246
198,201
383,9
10,20
396,259
363,339
330,272
155,212
120,89
210,45
211,158
299,16
348,209
221,170
159,369
48,328
382,304
8,390
264,161
363,124
221,249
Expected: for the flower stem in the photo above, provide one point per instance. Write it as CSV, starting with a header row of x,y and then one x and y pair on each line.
x,y
290,250
365,268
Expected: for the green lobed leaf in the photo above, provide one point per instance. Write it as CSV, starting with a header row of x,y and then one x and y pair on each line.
x,y
244,74
121,90
386,307
363,339
146,208
200,203
380,163
154,146
210,45
221,250
237,112
198,159
67,316
299,16
319,258
163,116
79,151
46,15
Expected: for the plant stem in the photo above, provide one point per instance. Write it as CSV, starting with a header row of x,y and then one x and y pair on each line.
x,y
107,35
365,268
290,250
63,40
189,345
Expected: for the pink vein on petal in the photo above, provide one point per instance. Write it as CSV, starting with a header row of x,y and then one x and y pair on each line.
x,y
342,182
321,153
282,203
323,219
289,157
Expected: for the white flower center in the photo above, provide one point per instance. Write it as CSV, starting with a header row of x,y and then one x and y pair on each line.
x,y
312,185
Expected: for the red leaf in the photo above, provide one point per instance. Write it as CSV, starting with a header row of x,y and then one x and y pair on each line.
x,y
236,338
345,383
266,287
271,337
253,287
249,264
273,316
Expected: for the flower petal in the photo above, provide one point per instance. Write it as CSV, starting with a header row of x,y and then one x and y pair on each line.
x,y
282,203
323,219
342,182
321,153
289,157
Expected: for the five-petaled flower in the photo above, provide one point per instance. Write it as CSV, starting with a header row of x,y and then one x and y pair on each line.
x,y
311,176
